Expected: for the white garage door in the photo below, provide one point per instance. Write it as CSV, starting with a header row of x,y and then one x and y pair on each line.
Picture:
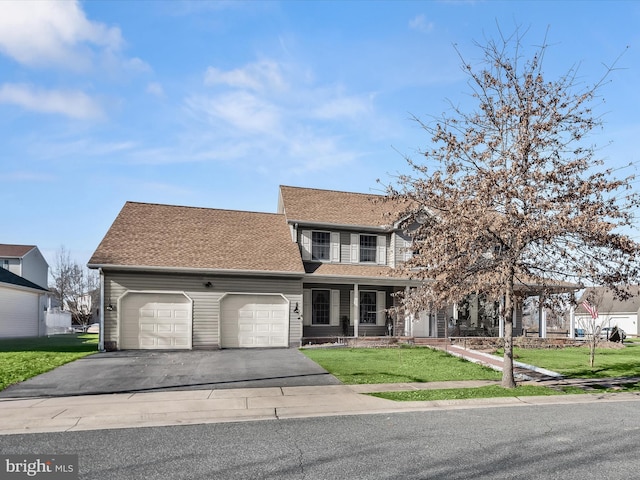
x,y
155,321
254,321
18,313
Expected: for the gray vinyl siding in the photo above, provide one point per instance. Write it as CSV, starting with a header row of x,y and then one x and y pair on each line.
x,y
400,242
206,301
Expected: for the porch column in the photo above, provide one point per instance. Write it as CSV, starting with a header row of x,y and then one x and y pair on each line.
x,y
572,322
501,319
542,322
356,309
408,317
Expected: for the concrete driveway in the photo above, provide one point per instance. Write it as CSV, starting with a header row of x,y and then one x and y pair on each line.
x,y
153,371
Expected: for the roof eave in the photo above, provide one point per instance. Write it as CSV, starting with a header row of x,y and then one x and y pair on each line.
x,y
346,226
374,280
203,271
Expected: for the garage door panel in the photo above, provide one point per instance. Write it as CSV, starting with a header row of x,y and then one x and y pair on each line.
x,y
254,321
156,321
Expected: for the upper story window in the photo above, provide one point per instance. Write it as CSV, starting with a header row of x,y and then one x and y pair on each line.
x,y
368,248
320,245
5,264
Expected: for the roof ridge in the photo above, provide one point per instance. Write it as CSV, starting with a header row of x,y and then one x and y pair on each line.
x,y
333,190
154,204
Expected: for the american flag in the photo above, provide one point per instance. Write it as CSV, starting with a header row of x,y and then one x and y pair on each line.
x,y
591,309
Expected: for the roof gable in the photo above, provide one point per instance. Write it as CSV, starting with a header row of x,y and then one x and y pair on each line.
x,y
15,251
166,236
336,208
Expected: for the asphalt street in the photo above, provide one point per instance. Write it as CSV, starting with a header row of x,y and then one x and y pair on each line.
x,y
585,441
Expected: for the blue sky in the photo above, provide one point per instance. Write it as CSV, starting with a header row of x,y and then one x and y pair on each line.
x,y
215,104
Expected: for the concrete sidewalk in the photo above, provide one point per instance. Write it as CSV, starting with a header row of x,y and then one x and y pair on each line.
x,y
95,412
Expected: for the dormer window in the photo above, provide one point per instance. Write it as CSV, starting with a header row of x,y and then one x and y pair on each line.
x,y
320,246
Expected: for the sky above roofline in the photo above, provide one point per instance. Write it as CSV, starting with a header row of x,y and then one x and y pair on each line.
x,y
215,104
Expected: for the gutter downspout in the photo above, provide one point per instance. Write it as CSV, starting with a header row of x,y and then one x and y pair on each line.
x,y
101,332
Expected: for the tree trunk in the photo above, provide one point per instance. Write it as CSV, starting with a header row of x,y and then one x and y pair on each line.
x,y
508,380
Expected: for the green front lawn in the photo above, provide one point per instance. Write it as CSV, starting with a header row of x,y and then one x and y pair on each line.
x,y
396,365
23,358
573,362
419,364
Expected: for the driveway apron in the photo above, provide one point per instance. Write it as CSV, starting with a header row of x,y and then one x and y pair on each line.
x,y
135,371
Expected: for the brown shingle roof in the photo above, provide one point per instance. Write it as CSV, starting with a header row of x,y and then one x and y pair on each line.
x,y
16,251
337,208
152,235
606,302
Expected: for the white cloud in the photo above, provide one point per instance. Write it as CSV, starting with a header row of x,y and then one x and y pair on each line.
x,y
263,75
154,88
344,107
421,24
44,33
241,110
74,104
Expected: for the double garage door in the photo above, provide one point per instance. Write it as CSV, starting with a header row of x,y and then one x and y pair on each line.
x,y
254,321
165,321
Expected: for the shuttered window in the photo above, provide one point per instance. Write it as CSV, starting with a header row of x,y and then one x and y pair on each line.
x,y
321,307
368,248
320,245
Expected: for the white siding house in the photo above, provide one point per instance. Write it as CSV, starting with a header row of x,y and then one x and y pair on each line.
x,y
22,306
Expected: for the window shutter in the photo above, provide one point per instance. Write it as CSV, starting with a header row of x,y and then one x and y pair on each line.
x,y
305,243
334,319
355,248
381,255
381,306
335,247
352,308
407,253
306,307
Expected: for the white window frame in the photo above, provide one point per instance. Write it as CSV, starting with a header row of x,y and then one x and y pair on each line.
x,y
381,306
381,248
334,308
306,246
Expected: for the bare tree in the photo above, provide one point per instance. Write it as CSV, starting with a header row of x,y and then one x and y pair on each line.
x,y
74,287
510,199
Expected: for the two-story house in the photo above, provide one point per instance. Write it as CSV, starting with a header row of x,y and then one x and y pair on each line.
x,y
25,261
321,267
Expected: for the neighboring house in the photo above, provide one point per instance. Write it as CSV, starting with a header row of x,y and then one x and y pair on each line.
x,y
25,261
22,306
612,312
321,267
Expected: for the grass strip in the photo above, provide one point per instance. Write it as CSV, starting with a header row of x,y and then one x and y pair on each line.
x,y
490,391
